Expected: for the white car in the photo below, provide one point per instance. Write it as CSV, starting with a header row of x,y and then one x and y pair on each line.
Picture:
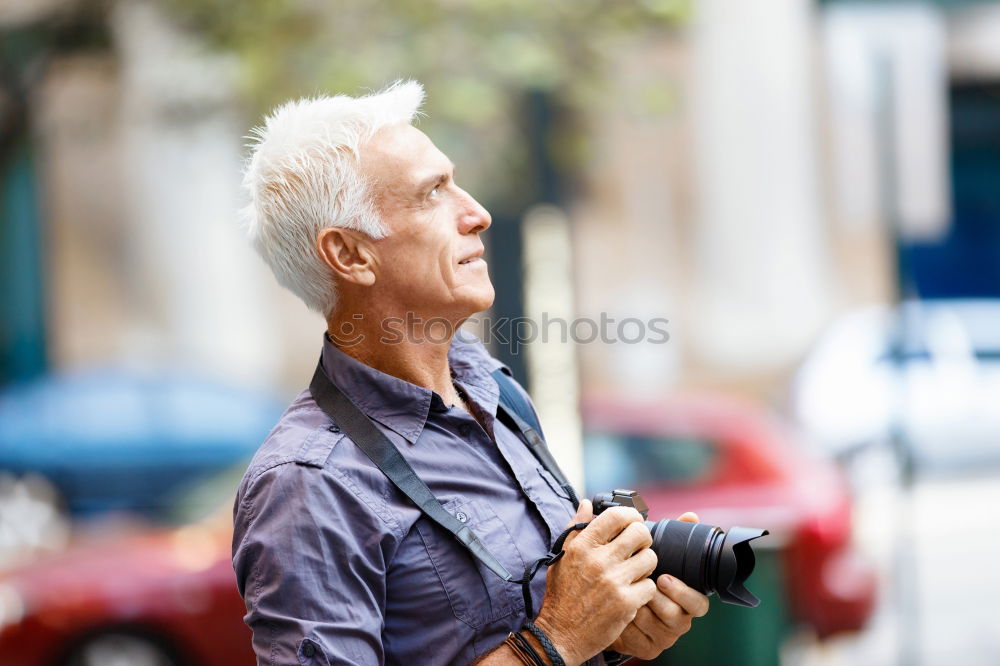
x,y
927,370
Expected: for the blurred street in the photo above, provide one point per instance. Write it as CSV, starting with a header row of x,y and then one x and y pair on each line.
x,y
937,547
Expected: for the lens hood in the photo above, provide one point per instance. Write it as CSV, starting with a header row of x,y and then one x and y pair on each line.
x,y
736,563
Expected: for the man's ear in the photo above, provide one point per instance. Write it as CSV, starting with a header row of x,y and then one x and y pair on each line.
x,y
348,253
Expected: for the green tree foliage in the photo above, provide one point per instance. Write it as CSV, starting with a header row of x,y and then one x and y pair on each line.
x,y
476,57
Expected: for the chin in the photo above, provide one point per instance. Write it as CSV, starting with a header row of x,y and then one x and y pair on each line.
x,y
487,300
473,306
470,301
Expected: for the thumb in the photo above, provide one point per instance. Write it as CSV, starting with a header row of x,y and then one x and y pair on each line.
x,y
584,513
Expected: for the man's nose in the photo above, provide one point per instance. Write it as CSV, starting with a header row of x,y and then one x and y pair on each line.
x,y
474,218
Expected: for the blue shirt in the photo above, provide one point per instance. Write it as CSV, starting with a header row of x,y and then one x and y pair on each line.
x,y
336,566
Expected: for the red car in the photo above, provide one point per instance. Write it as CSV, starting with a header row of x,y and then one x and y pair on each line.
x,y
734,464
163,598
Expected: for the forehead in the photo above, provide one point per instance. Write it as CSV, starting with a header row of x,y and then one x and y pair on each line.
x,y
401,155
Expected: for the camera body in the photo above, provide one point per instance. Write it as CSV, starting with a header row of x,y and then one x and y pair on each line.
x,y
703,556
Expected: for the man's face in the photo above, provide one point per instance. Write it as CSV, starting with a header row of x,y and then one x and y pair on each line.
x,y
431,262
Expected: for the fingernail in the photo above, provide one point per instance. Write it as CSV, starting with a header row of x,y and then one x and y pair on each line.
x,y
665,580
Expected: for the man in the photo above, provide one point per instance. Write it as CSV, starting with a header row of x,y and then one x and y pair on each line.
x,y
359,214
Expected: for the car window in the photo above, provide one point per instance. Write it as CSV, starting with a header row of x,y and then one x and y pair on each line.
x,y
615,460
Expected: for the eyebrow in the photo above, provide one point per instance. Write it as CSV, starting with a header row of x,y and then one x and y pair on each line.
x,y
435,179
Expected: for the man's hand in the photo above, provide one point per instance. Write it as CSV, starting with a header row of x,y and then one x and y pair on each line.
x,y
667,616
595,589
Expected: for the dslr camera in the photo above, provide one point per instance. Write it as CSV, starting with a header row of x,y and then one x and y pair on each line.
x,y
703,556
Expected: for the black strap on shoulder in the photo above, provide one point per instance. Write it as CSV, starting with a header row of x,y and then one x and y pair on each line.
x,y
512,399
367,437
517,414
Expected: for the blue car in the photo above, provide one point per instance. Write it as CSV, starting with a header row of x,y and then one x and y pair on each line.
x,y
117,441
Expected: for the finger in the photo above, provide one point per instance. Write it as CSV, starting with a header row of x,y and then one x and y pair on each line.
x,y
584,513
665,609
645,627
637,643
692,601
639,566
689,517
631,540
610,523
653,626
662,635
642,592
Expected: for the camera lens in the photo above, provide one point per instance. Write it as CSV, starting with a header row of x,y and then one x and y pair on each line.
x,y
706,558
703,556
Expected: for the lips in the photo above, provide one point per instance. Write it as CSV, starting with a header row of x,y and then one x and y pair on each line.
x,y
477,256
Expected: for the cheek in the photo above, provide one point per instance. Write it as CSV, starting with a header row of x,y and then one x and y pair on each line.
x,y
422,255
439,257
413,256
445,264
422,265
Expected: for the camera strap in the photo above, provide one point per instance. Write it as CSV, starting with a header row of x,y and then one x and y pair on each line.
x,y
545,560
516,413
367,437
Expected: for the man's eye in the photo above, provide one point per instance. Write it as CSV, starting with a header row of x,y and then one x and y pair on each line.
x,y
434,192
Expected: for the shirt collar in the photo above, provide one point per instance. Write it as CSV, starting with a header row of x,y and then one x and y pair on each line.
x,y
403,407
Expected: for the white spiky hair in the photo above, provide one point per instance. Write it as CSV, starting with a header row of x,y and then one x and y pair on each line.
x,y
302,177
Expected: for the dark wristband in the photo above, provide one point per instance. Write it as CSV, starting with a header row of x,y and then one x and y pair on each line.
x,y
524,650
550,650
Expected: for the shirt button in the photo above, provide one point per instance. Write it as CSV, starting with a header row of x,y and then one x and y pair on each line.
x,y
334,427
308,650
462,518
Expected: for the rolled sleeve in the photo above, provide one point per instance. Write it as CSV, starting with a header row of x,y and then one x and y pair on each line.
x,y
314,591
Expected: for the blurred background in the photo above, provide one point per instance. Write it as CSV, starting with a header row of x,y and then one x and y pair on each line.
x,y
807,192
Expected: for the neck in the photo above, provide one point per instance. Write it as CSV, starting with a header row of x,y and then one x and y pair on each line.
x,y
398,346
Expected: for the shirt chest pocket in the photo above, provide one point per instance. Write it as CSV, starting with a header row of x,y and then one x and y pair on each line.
x,y
477,595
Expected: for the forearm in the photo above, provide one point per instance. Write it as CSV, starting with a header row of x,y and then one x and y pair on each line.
x,y
501,656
